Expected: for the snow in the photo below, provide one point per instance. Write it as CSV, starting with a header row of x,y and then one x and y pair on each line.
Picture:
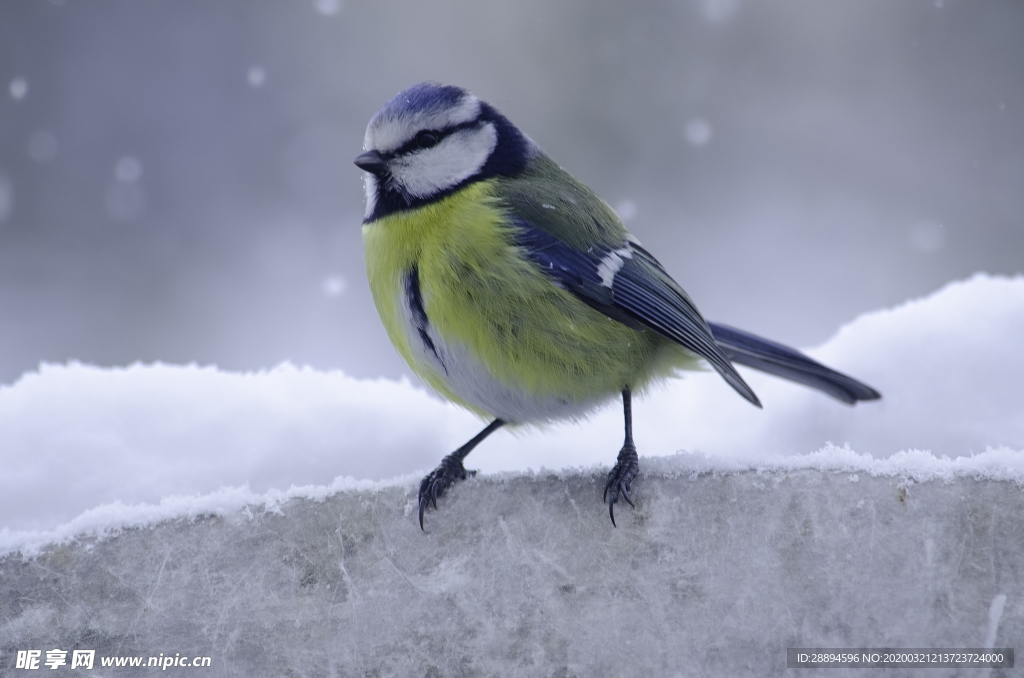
x,y
128,169
90,450
334,286
698,131
256,76
328,7
18,88
523,575
186,510
6,197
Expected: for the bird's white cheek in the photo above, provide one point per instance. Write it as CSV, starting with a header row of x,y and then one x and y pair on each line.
x,y
458,157
370,186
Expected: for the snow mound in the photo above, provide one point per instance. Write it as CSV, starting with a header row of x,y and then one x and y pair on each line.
x,y
145,443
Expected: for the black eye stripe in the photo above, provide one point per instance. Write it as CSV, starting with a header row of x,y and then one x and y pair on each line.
x,y
414,145
427,138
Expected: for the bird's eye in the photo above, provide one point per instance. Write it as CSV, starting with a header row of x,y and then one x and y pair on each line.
x,y
426,139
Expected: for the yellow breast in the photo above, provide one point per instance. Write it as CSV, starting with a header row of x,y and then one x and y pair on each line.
x,y
505,341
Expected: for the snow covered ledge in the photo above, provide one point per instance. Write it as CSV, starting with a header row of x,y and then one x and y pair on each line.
x,y
728,559
716,572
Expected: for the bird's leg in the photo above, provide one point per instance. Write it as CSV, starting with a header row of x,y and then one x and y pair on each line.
x,y
628,464
451,469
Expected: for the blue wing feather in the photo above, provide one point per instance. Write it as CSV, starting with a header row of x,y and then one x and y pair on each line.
x,y
782,361
642,295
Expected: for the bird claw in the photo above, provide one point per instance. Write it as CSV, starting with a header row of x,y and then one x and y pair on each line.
x,y
440,479
626,468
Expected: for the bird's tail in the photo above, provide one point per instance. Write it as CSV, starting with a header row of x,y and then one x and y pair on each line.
x,y
753,351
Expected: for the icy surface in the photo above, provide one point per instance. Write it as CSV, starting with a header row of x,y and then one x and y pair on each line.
x,y
147,442
713,574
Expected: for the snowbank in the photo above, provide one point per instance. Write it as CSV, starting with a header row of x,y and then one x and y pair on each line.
x,y
143,515
148,442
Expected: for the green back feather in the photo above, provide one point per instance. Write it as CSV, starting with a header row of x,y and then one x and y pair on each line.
x,y
554,201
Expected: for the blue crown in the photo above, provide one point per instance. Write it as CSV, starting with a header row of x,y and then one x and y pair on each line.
x,y
425,96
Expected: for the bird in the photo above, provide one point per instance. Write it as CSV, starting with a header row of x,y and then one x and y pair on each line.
x,y
513,290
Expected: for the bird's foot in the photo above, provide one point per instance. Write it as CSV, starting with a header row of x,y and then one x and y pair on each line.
x,y
626,468
440,479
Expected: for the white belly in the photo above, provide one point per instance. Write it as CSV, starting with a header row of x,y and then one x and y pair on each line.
x,y
471,380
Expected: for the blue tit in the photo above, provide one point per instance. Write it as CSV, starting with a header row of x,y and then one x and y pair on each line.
x,y
513,290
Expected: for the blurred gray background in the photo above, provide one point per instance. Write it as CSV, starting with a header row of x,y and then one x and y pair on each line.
x,y
176,180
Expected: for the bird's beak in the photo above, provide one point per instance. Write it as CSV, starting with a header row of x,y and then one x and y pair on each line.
x,y
372,162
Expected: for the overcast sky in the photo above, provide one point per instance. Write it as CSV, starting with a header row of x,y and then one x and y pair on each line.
x,y
176,180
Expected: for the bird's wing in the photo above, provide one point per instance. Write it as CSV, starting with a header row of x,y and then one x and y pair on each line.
x,y
578,241
627,284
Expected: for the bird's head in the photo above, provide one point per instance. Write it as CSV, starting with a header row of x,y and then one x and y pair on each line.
x,y
429,141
